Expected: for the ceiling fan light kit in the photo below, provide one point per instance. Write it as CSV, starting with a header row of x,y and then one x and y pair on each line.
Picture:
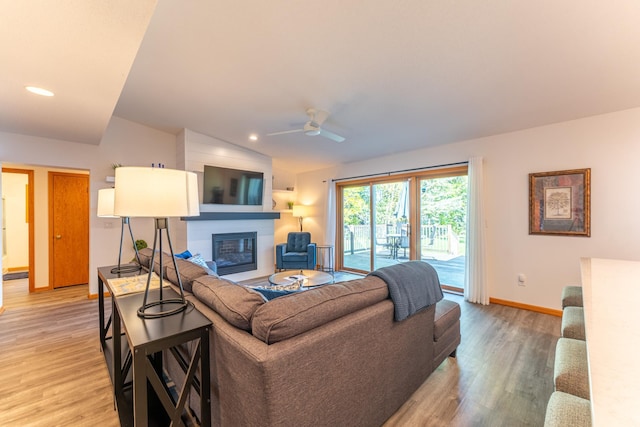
x,y
314,126
310,129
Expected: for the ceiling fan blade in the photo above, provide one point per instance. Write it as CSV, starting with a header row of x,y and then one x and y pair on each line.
x,y
331,135
321,116
285,132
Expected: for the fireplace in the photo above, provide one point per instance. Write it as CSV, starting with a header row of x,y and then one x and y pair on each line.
x,y
235,252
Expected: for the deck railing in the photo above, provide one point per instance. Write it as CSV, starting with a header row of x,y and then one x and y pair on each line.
x,y
435,238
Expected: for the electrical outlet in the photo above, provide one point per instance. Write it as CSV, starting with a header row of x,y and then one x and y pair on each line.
x,y
521,279
108,224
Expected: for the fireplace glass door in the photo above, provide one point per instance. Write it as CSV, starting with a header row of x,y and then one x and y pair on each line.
x,y
235,252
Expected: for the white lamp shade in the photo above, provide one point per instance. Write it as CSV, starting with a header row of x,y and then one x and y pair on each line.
x,y
299,211
156,192
106,203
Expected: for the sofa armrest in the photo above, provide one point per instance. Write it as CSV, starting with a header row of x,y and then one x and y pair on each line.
x,y
311,256
281,249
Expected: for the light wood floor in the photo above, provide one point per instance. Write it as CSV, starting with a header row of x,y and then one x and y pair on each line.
x,y
53,374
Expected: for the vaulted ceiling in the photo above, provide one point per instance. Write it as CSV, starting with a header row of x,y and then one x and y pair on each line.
x,y
395,76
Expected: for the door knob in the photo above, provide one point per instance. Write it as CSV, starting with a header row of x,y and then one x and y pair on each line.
x,y
58,236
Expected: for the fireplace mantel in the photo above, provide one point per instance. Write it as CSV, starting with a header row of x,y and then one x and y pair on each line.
x,y
218,216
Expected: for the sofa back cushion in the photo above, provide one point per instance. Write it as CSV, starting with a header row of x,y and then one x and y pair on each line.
x,y
145,259
291,315
298,241
235,303
145,256
188,273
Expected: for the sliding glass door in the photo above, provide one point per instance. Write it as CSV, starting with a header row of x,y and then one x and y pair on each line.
x,y
356,221
376,225
421,216
392,213
443,223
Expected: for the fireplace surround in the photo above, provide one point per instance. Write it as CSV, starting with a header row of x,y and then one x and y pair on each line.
x,y
235,252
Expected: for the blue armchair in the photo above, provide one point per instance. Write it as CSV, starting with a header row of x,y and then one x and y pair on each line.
x,y
297,254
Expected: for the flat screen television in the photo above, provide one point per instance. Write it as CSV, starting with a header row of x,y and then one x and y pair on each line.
x,y
223,186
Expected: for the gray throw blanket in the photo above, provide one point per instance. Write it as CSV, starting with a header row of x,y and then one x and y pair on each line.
x,y
413,285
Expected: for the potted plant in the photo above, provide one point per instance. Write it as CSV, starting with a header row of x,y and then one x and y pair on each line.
x,y
140,244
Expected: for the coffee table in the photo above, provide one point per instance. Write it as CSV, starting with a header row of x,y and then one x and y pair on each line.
x,y
296,279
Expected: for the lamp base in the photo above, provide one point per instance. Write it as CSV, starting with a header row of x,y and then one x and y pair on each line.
x,y
127,268
146,312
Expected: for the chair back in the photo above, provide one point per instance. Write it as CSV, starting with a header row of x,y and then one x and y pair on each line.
x,y
298,241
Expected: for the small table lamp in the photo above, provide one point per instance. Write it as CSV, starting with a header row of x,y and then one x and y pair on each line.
x,y
157,193
106,210
299,211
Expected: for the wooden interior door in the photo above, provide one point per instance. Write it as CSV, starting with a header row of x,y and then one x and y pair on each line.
x,y
68,229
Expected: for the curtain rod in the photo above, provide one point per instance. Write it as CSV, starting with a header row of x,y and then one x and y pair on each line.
x,y
401,171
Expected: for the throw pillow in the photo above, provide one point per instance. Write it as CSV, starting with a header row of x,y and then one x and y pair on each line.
x,y
184,255
197,259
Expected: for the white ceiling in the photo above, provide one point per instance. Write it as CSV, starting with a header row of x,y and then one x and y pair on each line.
x,y
395,75
80,50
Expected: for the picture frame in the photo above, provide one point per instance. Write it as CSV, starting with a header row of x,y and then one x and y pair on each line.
x,y
560,203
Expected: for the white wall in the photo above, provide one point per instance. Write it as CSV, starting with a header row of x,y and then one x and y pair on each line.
x,y
608,144
14,195
124,142
310,194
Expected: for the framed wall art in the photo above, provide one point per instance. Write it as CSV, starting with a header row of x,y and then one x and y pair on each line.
x,y
560,203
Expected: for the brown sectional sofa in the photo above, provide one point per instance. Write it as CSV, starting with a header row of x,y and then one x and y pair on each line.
x,y
329,356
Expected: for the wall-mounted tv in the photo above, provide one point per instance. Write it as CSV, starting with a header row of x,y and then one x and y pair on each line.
x,y
223,186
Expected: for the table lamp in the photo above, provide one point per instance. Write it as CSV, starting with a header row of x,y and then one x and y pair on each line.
x,y
299,211
106,210
157,193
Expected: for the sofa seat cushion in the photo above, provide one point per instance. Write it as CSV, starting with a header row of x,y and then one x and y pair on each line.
x,y
235,303
447,315
291,315
295,256
188,273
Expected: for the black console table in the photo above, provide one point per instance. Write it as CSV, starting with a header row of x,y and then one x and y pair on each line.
x,y
135,363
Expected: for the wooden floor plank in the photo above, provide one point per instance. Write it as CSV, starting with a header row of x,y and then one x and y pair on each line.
x,y
52,372
51,369
502,376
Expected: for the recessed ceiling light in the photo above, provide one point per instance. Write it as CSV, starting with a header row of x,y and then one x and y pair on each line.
x,y
253,137
39,91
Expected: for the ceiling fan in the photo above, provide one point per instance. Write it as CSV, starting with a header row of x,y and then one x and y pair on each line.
x,y
314,126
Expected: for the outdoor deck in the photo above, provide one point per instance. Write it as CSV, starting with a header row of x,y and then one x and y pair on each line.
x,y
450,271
